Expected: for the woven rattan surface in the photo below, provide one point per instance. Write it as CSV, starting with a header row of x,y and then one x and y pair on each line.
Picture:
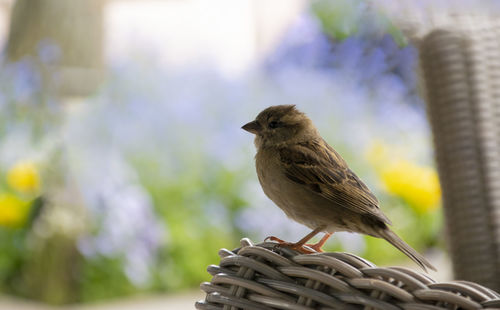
x,y
461,70
266,276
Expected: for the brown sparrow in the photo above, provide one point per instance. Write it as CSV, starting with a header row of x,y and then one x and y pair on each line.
x,y
312,183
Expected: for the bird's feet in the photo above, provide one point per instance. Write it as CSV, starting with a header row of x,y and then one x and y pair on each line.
x,y
317,246
299,247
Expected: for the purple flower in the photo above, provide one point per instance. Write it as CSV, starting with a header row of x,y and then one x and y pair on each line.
x,y
25,79
127,224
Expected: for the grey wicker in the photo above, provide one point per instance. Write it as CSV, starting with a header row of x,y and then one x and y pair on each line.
x,y
266,276
461,71
459,46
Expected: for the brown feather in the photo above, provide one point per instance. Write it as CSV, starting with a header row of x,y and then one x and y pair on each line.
x,y
320,167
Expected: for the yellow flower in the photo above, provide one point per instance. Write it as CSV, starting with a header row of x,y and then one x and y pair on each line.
x,y
24,177
13,211
417,185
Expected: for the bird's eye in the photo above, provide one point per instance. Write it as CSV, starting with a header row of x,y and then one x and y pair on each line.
x,y
273,124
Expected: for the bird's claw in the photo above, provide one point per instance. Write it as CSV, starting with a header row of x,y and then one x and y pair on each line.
x,y
302,248
273,238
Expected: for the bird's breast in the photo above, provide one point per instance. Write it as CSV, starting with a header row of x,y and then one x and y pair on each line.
x,y
295,200
271,177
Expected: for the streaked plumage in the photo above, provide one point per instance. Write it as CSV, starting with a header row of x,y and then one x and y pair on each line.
x,y
312,183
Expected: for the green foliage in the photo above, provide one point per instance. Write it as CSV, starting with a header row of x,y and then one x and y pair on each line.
x,y
419,230
12,249
103,278
341,19
194,233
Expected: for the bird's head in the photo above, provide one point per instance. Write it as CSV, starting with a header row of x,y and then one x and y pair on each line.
x,y
280,124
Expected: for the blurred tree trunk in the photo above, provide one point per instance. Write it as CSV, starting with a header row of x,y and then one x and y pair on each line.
x,y
74,26
51,268
64,39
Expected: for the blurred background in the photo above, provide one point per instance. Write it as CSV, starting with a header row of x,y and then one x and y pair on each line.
x,y
123,168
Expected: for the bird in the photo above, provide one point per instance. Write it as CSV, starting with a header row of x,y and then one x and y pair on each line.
x,y
313,185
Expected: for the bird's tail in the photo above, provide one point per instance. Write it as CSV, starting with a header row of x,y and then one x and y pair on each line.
x,y
394,239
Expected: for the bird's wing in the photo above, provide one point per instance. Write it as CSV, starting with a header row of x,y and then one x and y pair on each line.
x,y
317,166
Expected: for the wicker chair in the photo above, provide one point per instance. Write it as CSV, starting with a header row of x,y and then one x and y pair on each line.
x,y
265,276
461,71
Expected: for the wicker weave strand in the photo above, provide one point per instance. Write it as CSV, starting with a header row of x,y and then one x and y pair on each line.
x,y
266,276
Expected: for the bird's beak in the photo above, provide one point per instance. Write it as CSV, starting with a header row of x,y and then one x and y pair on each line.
x,y
253,127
